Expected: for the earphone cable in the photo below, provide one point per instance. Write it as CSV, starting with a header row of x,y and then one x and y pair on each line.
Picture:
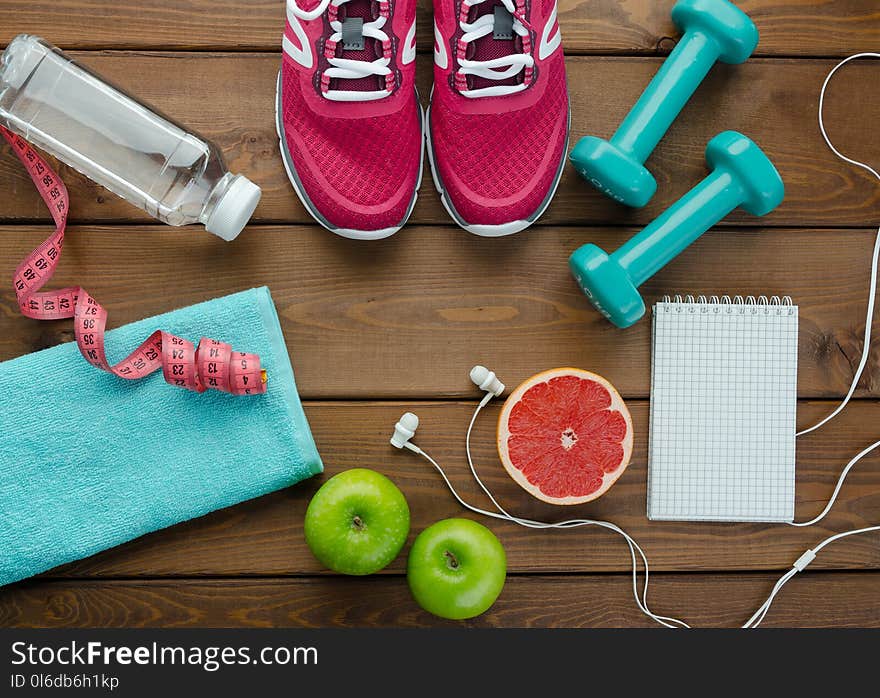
x,y
872,297
837,488
807,557
872,293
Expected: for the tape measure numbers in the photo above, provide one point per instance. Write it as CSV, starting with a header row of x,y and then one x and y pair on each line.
x,y
210,365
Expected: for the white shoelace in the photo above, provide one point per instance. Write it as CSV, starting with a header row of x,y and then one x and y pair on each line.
x,y
346,68
498,68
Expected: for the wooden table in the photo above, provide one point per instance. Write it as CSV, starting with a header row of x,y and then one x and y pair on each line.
x,y
376,329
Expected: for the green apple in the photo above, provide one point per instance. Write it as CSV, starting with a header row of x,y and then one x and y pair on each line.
x,y
456,569
357,522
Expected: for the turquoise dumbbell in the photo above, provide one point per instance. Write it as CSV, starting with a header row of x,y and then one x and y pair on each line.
x,y
743,176
714,30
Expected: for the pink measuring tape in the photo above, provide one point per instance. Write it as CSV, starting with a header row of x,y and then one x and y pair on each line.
x,y
211,365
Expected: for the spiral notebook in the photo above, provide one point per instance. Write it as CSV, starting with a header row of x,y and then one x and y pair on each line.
x,y
723,409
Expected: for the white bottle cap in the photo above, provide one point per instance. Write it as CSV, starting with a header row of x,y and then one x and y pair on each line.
x,y
234,209
20,59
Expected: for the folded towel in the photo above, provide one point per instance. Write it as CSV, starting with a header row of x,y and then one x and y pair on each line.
x,y
89,461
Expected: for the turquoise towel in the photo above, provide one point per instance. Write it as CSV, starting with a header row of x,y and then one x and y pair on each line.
x,y
89,461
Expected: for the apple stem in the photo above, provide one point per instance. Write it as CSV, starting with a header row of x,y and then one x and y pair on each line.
x,y
358,523
452,561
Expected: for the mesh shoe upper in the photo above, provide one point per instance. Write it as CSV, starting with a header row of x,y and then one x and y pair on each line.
x,y
498,157
357,162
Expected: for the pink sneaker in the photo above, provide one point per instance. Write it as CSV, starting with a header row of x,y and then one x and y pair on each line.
x,y
347,113
499,113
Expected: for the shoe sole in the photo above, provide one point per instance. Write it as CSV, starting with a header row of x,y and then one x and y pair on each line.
x,y
502,229
295,181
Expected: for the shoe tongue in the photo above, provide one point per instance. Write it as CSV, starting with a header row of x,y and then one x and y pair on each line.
x,y
357,47
500,43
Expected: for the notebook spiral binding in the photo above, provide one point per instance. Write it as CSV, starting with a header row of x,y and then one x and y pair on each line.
x,y
775,305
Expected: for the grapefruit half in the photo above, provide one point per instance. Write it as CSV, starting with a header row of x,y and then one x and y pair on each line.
x,y
565,436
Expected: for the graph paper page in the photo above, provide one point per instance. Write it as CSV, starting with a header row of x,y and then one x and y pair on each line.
x,y
723,409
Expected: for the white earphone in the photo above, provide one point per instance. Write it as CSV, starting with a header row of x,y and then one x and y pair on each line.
x,y
487,381
404,430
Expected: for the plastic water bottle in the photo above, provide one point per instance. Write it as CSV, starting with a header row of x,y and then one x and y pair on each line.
x,y
150,161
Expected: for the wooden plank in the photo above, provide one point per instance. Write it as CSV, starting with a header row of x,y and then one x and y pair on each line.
x,y
230,98
265,537
812,600
788,27
409,316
